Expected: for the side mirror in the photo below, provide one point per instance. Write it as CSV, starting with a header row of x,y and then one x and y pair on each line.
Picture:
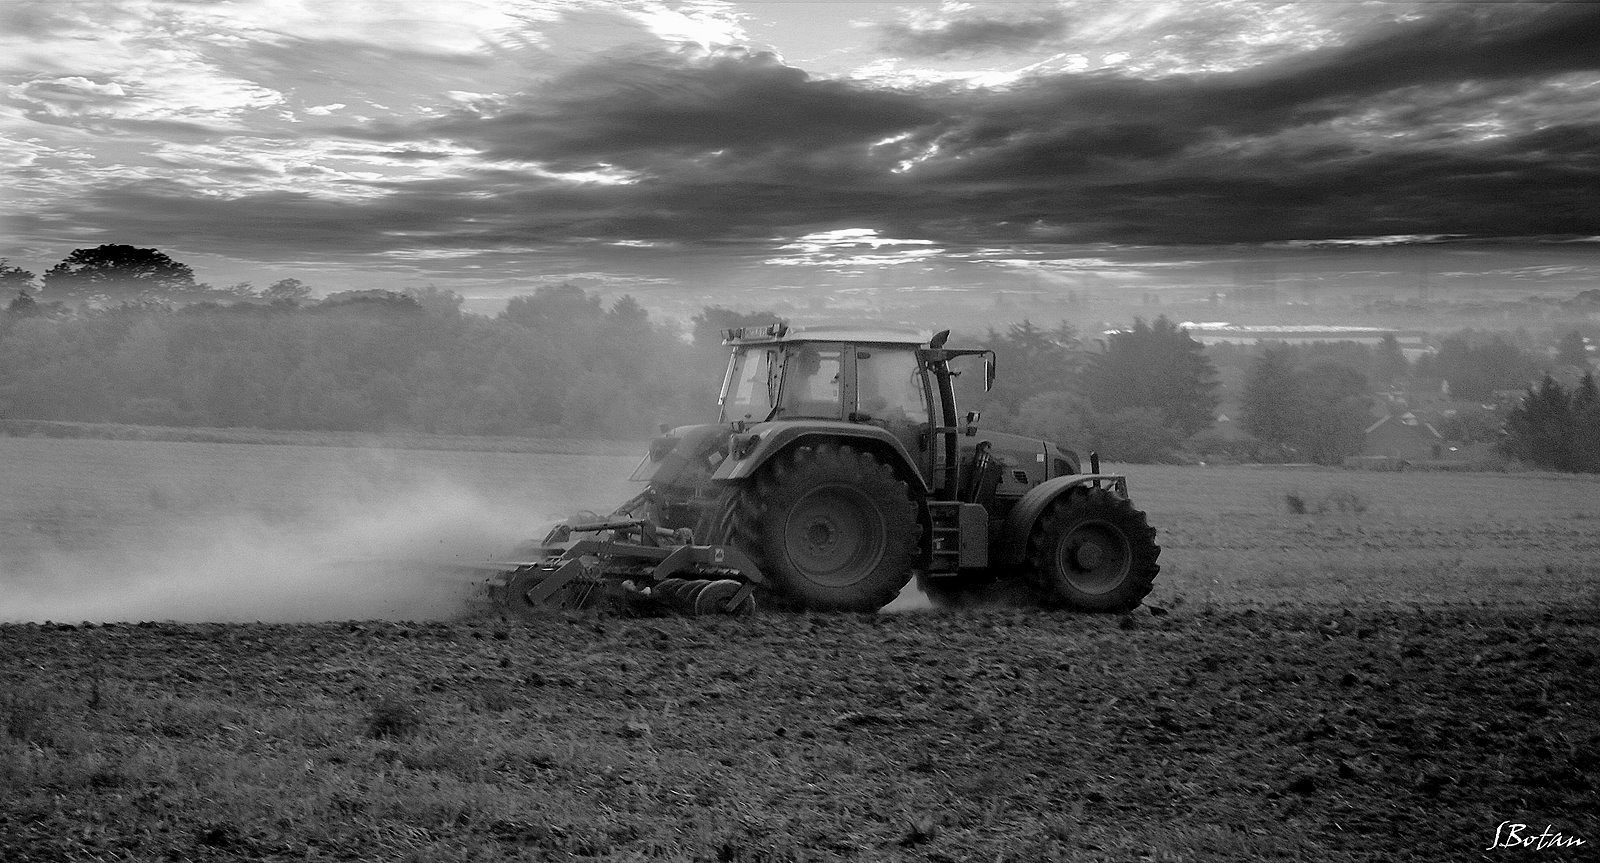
x,y
988,371
972,423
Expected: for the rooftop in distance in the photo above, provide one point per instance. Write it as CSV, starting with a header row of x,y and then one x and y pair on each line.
x,y
1219,332
826,332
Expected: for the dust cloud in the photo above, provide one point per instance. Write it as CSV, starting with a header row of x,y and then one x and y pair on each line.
x,y
305,537
911,598
399,560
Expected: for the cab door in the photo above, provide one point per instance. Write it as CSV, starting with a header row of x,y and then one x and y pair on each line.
x,y
891,392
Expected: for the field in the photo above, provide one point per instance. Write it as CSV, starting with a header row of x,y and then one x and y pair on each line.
x,y
1334,666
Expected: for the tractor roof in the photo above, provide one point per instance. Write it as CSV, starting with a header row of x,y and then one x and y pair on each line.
x,y
852,333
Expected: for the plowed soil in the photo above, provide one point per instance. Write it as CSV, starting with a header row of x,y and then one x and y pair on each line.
x,y
1190,733
1348,667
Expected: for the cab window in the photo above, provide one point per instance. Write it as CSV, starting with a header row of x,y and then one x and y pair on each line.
x,y
752,382
889,387
811,381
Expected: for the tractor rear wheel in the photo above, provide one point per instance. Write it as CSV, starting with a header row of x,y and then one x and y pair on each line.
x,y
1094,552
832,528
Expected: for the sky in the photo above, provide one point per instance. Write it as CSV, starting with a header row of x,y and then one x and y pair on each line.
x,y
680,149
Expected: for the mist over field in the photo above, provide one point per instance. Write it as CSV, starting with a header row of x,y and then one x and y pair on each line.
x,y
121,530
104,530
352,564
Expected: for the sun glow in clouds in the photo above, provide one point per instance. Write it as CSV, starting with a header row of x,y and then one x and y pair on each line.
x,y
706,23
603,174
837,248
849,237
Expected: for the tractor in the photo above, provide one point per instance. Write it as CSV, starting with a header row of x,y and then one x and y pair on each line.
x,y
838,469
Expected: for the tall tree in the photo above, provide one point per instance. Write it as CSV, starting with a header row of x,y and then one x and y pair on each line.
x,y
287,291
14,278
1336,411
1156,366
628,315
117,272
1539,429
1316,404
1036,361
1586,426
553,307
23,306
1389,362
1272,402
1474,367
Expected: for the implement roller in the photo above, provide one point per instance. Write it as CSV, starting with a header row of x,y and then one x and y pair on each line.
x,y
624,561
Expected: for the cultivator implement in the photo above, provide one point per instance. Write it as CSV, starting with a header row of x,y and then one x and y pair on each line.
x,y
626,563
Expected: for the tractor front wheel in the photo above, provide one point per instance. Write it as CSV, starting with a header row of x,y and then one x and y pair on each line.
x,y
833,528
1094,552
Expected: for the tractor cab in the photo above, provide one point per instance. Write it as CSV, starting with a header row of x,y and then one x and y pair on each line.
x,y
898,381
834,374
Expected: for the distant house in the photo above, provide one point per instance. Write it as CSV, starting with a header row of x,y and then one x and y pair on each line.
x,y
1403,436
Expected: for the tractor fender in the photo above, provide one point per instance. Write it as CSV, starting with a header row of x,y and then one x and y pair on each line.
x,y
679,452
1013,545
751,449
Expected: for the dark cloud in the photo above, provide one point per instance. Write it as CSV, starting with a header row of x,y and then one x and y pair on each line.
x,y
35,18
1467,42
641,111
291,222
1274,152
974,34
741,146
1075,115
1373,137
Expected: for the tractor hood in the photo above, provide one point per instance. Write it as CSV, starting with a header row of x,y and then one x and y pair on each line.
x,y
1025,461
684,455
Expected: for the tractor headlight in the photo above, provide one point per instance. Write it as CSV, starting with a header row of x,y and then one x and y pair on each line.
x,y
661,447
740,445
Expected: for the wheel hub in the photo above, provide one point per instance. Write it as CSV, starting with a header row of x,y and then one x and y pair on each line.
x,y
1094,557
821,535
1088,555
834,536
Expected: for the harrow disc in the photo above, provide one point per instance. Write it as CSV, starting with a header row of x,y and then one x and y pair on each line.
x,y
667,592
666,586
690,596
715,597
698,596
513,592
677,594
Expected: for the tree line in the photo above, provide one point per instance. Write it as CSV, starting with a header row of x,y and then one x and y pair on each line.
x,y
123,334
560,362
554,363
557,362
114,273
